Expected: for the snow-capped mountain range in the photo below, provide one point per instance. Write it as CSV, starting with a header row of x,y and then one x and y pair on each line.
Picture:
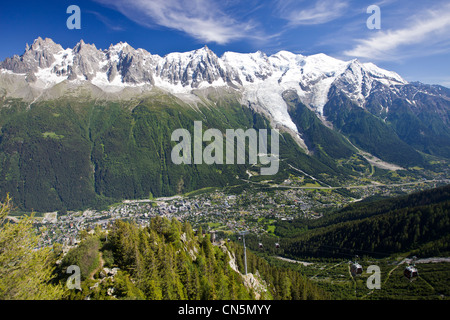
x,y
262,79
81,124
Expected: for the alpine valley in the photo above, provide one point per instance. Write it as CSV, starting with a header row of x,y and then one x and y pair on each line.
x,y
85,127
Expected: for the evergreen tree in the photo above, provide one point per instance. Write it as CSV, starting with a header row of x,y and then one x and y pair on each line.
x,y
25,273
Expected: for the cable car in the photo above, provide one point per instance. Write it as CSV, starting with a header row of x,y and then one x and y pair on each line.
x,y
356,269
239,238
411,273
277,244
260,245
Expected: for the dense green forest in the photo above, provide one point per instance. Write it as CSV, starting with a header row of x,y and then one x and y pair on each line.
x,y
71,154
168,260
418,223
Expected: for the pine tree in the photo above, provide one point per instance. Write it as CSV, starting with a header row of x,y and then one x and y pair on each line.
x,y
25,273
193,287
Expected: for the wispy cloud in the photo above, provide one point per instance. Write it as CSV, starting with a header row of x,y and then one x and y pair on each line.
x,y
425,34
322,11
108,23
201,19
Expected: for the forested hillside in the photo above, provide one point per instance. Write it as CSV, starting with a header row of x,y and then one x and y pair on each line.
x,y
418,222
369,132
166,260
71,154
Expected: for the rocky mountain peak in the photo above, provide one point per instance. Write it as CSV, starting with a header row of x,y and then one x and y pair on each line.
x,y
82,46
260,78
46,44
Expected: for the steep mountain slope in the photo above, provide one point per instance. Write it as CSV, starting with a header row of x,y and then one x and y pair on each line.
x,y
369,132
67,153
71,153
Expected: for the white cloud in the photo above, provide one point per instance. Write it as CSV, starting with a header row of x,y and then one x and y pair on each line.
x,y
108,23
201,19
322,11
426,34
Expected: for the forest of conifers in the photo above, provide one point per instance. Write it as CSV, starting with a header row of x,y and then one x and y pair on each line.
x,y
419,223
167,260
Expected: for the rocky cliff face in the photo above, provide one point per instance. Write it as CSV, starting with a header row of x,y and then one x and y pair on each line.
x,y
39,55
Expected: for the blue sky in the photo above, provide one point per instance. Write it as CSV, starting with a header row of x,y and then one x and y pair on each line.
x,y
414,39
